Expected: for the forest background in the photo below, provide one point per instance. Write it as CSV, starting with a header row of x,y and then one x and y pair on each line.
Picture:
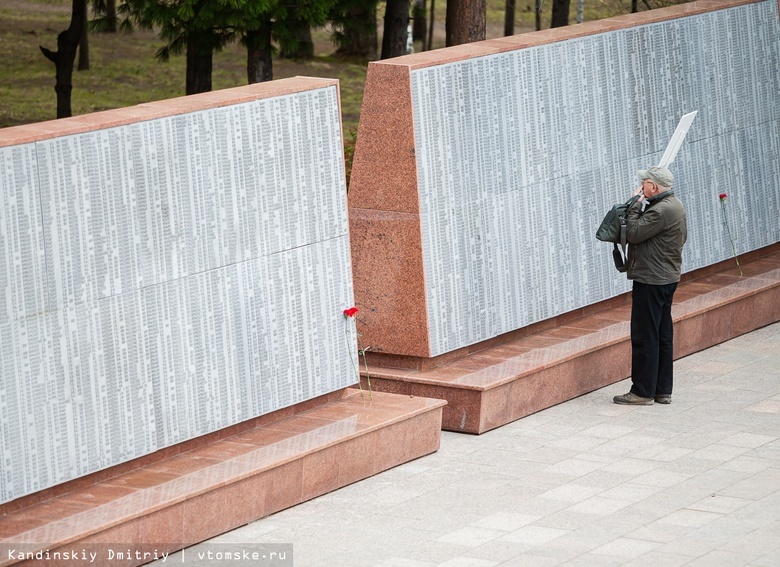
x,y
124,71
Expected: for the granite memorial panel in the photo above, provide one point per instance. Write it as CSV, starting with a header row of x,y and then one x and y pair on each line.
x,y
518,152
166,278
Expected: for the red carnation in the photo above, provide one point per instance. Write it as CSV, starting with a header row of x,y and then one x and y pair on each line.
x,y
351,312
728,230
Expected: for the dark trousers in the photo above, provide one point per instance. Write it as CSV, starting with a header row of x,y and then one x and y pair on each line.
x,y
652,337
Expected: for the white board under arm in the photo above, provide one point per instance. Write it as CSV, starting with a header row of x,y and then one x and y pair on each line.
x,y
677,139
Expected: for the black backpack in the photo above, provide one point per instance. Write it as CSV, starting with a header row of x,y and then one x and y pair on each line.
x,y
613,229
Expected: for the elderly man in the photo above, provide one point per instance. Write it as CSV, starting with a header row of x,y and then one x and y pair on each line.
x,y
656,233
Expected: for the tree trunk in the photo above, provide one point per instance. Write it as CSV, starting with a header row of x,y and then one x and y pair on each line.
x,y
395,30
465,21
63,58
560,13
301,32
84,46
509,18
431,19
259,63
199,62
539,14
418,15
358,37
111,14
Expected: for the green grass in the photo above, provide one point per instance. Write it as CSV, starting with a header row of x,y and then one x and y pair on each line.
x,y
124,71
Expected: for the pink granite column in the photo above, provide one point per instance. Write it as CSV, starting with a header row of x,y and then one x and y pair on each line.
x,y
384,220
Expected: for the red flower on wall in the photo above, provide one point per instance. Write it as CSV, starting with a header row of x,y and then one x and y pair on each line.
x,y
722,198
351,312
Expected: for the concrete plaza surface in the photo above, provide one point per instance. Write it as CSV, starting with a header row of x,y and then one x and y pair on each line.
x,y
587,482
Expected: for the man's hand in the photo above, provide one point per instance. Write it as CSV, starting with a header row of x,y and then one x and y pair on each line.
x,y
640,193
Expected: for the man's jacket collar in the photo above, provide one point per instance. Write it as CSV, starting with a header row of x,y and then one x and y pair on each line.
x,y
667,193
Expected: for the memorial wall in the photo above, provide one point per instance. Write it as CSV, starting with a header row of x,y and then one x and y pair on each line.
x,y
505,158
166,278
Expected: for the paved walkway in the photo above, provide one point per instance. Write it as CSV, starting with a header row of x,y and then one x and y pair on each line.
x,y
585,483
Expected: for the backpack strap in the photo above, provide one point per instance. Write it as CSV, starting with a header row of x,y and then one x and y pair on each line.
x,y
623,236
621,259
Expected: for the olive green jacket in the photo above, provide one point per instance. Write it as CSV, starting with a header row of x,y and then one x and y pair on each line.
x,y
656,238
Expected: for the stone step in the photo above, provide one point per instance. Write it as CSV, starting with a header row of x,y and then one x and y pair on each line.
x,y
491,386
179,501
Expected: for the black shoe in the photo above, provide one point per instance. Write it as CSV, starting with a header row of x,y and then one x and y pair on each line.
x,y
632,399
663,398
